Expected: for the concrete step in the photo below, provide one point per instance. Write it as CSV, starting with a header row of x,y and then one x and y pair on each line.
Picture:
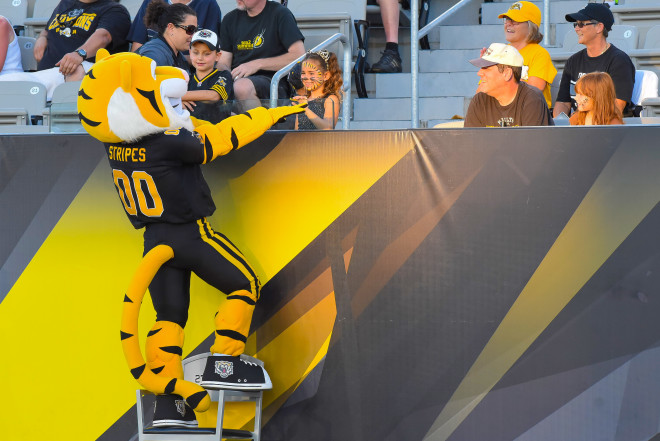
x,y
399,109
467,37
432,84
558,10
447,60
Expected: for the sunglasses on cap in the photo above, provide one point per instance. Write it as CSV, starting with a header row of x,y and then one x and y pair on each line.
x,y
581,24
190,29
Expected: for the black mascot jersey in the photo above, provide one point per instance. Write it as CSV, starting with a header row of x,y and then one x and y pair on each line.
x,y
158,178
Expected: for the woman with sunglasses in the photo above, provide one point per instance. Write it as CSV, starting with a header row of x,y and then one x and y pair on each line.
x,y
175,23
521,30
596,101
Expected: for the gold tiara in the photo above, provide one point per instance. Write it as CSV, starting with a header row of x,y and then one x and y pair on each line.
x,y
323,54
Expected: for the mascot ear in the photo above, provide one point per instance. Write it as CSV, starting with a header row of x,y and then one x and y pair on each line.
x,y
125,75
101,54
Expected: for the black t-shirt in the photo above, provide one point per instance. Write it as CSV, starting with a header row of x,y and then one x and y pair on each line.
x,y
73,22
159,178
613,61
269,34
220,82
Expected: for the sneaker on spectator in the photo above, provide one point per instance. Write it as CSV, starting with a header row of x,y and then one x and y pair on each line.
x,y
172,411
390,62
239,373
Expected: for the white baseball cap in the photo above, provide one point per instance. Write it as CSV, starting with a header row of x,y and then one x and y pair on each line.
x,y
206,36
499,53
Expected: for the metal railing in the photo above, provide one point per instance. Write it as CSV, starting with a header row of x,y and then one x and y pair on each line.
x,y
348,58
416,34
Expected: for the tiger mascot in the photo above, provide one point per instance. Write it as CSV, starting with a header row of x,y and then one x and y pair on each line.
x,y
155,150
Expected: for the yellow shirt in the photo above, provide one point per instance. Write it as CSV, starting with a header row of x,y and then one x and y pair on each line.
x,y
537,63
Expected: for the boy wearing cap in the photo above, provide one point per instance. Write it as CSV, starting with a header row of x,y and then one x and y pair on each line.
x,y
592,25
207,85
501,99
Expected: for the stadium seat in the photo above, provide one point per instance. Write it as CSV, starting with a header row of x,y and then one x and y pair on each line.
x,y
133,6
62,115
43,9
27,53
226,6
640,13
16,12
646,86
27,100
193,367
649,56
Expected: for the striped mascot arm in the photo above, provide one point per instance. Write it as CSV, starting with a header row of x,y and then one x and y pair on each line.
x,y
236,131
195,395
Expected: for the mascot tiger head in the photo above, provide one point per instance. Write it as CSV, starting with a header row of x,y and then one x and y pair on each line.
x,y
125,97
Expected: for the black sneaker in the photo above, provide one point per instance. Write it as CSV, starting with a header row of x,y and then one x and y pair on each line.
x,y
390,62
172,411
239,373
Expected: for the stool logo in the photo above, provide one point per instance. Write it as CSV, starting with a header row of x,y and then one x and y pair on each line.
x,y
224,368
180,407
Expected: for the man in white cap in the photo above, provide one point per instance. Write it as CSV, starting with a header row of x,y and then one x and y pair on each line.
x,y
592,25
502,100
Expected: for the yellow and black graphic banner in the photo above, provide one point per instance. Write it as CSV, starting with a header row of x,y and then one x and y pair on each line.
x,y
419,285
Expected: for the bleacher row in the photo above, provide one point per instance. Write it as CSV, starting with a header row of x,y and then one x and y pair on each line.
x,y
637,31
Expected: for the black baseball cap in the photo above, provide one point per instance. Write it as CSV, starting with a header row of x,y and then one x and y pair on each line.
x,y
599,12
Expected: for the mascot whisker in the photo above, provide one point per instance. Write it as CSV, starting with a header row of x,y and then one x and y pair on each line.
x,y
155,149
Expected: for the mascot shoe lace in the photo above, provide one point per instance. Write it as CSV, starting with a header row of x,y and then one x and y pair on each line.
x,y
238,373
172,411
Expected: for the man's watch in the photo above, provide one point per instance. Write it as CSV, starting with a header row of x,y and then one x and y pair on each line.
x,y
82,53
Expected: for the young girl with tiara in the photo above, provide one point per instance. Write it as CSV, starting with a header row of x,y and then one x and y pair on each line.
x,y
321,78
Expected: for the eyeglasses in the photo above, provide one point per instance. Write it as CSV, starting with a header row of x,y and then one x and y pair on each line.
x,y
581,24
507,20
190,29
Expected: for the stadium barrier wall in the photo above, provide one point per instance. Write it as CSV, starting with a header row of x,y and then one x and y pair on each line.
x,y
420,284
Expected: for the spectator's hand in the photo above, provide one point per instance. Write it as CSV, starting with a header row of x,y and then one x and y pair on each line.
x,y
40,48
245,69
299,99
69,63
189,105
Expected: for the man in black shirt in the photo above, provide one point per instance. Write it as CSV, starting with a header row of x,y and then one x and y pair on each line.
x,y
592,25
257,39
76,30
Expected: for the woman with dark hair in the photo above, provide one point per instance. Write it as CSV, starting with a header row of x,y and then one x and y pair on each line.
x,y
521,29
176,24
595,97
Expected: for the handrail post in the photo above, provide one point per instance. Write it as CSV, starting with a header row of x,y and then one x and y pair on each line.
x,y
415,35
348,59
414,62
546,22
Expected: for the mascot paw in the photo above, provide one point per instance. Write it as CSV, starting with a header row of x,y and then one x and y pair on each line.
x,y
280,113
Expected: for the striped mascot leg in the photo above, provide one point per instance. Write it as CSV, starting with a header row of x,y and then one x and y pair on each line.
x,y
228,367
164,374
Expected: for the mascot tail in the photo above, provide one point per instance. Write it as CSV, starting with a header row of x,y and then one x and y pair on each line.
x,y
195,395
